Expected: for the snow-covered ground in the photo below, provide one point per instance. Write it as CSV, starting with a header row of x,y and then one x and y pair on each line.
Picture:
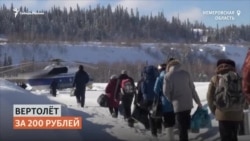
x,y
94,52
98,125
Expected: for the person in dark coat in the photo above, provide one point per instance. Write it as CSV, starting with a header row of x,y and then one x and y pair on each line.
x,y
80,81
139,103
126,99
150,74
53,87
111,92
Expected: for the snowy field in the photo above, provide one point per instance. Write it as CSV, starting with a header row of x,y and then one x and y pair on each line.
x,y
98,125
95,52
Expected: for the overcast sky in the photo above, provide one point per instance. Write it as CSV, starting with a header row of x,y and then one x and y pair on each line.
x,y
191,9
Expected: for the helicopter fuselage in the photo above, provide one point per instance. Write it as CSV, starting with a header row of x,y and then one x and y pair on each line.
x,y
44,78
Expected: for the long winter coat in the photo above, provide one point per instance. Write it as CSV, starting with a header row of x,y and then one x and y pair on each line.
x,y
166,105
80,81
111,91
219,115
179,88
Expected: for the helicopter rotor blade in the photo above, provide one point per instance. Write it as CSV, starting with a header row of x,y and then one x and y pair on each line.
x,y
15,65
89,65
16,68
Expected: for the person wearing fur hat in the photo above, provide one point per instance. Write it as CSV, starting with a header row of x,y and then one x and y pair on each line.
x,y
179,89
228,120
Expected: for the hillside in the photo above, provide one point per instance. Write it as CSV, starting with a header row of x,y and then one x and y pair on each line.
x,y
197,58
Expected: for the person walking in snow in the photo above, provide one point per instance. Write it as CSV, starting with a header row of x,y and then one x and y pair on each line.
x,y
167,107
150,73
179,89
111,91
80,81
127,91
53,87
229,120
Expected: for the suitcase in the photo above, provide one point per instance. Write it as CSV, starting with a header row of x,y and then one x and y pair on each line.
x,y
141,115
103,100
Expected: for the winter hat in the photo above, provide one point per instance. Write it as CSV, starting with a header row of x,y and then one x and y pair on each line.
x,y
123,72
226,61
170,59
171,63
113,76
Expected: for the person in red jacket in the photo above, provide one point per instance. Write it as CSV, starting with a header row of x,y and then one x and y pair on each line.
x,y
246,77
111,91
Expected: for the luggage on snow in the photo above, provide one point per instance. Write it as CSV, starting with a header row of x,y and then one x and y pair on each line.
x,y
103,100
141,115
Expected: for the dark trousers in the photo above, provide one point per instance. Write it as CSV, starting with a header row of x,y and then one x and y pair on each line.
x,y
228,130
184,121
168,119
155,124
141,115
126,103
80,97
113,110
53,92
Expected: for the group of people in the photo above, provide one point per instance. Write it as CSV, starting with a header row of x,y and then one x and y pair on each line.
x,y
170,83
116,92
174,86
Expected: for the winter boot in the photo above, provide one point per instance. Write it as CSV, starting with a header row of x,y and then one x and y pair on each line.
x,y
130,122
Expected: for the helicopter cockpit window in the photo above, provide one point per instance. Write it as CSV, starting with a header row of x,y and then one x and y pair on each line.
x,y
58,70
47,68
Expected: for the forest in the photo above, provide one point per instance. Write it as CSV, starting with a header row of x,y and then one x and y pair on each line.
x,y
106,25
102,24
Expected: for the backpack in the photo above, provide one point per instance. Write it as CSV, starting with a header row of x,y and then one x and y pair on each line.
x,y
150,73
127,86
228,92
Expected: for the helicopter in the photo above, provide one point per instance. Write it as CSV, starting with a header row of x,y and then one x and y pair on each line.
x,y
42,79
